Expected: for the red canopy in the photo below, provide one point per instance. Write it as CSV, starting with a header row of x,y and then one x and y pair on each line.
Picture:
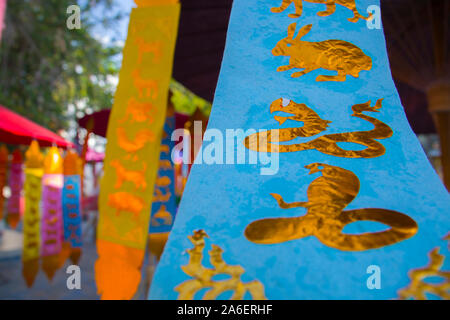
x,y
15,129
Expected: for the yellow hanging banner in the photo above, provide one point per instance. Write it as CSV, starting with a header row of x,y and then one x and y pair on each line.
x,y
134,136
34,170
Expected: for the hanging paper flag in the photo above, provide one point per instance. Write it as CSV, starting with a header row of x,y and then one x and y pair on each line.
x,y
71,205
34,170
4,155
319,187
16,184
134,138
164,205
52,224
2,15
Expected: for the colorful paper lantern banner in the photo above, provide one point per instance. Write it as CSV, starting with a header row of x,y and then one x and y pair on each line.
x,y
71,206
52,224
34,170
134,138
341,186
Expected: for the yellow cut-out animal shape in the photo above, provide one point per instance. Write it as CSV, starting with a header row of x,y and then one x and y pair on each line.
x,y
325,218
126,202
136,177
144,47
314,125
330,9
337,55
139,112
162,214
146,87
141,138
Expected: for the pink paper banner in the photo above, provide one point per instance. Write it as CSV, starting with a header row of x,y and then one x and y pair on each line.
x,y
52,224
2,15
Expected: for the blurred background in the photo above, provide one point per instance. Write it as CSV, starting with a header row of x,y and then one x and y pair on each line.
x,y
65,81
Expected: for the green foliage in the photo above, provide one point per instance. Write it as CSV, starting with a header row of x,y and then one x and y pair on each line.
x,y
186,102
45,67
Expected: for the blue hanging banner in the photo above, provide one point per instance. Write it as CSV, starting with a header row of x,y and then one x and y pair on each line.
x,y
164,205
333,197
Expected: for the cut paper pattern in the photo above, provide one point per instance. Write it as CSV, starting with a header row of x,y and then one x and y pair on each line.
x,y
330,8
143,137
139,111
71,206
148,88
420,287
135,177
153,48
313,124
337,55
325,218
52,224
126,202
203,278
34,163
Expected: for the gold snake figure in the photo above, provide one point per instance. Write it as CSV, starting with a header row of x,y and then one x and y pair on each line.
x,y
325,219
313,124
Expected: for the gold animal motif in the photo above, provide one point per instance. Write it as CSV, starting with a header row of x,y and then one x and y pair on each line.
x,y
325,218
165,164
203,277
165,148
124,201
313,125
162,214
331,8
418,288
160,197
136,177
141,138
338,55
163,181
146,87
148,47
139,111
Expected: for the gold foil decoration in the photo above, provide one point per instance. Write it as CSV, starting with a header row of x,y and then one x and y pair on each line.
x,y
337,55
418,288
313,125
330,9
203,277
325,217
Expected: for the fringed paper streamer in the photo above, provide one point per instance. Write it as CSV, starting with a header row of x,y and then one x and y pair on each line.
x,y
34,170
71,206
4,155
16,184
52,224
134,138
345,194
164,204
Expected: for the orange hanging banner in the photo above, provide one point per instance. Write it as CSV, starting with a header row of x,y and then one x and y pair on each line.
x,y
134,137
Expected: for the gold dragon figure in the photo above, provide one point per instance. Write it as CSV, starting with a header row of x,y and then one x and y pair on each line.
x,y
418,288
203,277
325,218
336,55
313,124
330,9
